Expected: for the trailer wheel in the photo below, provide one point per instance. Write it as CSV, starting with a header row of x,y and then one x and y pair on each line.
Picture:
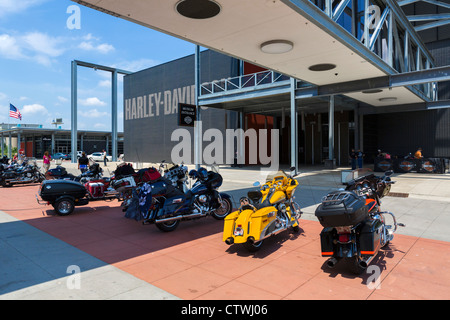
x,y
64,207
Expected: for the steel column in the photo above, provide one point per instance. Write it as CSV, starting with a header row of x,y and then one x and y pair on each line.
x,y
197,128
114,115
294,135
74,111
331,129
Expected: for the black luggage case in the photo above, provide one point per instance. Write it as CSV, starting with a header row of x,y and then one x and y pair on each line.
x,y
369,238
341,208
326,241
53,189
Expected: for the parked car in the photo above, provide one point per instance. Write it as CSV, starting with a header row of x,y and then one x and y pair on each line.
x,y
60,155
98,156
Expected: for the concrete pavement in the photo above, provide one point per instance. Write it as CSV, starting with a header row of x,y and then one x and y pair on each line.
x,y
121,259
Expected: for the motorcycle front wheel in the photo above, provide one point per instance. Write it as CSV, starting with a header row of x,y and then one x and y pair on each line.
x,y
168,226
224,210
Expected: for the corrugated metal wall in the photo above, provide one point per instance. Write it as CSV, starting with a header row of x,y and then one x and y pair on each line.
x,y
151,100
402,133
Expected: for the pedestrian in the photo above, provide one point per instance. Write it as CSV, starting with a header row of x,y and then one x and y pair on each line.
x,y
104,157
46,161
353,156
360,155
83,162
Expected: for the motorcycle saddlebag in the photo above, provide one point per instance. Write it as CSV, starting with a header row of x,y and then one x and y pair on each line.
x,y
173,206
341,208
369,237
96,189
52,189
326,241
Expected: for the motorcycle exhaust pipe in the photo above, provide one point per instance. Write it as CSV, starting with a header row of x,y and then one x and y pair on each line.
x,y
188,216
364,263
331,263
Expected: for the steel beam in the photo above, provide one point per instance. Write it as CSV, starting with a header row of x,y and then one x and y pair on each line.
x,y
74,104
396,80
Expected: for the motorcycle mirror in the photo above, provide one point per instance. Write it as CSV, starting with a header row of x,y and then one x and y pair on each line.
x,y
292,168
388,173
256,184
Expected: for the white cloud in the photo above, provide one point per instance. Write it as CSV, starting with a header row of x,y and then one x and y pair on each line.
x,y
44,44
35,46
99,126
136,65
8,7
94,113
101,48
62,99
32,109
93,101
105,83
9,47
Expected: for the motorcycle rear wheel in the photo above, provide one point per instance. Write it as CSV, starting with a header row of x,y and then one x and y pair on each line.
x,y
253,246
354,266
168,226
224,210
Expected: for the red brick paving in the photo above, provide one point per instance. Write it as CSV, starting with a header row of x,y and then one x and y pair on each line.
x,y
193,263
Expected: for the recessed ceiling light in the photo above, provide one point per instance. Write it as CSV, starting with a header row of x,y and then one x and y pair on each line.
x,y
372,91
322,67
388,99
277,46
198,9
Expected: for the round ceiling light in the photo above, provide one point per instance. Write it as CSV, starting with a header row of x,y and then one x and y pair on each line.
x,y
322,67
388,99
277,46
198,9
372,91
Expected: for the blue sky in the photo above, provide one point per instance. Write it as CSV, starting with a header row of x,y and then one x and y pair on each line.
x,y
36,50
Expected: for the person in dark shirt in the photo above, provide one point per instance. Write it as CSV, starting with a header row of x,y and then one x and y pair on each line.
x,y
83,162
353,156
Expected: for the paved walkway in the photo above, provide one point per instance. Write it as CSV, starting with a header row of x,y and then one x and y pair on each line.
x,y
122,259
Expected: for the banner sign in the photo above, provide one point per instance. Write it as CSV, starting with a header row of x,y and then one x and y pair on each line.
x,y
187,114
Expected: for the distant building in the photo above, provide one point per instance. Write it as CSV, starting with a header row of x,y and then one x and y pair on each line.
x,y
35,140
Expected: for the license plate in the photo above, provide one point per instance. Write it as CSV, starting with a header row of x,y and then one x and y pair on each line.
x,y
239,232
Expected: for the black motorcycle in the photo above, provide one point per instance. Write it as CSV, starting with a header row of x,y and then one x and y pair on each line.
x,y
60,173
20,174
355,228
165,206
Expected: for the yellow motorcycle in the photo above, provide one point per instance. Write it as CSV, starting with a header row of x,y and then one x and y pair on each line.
x,y
264,213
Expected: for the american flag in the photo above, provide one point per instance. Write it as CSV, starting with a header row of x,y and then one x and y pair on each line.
x,y
14,112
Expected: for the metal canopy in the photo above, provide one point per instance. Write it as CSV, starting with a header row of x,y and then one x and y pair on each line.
x,y
320,32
